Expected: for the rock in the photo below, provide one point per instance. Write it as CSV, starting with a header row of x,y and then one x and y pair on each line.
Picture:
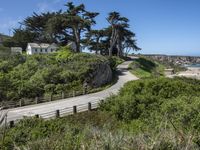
x,y
101,75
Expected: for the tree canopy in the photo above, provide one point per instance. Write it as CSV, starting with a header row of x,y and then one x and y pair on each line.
x,y
75,24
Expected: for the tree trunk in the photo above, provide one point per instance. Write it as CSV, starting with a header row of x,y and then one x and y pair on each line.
x,y
119,47
110,52
97,41
77,46
113,41
77,39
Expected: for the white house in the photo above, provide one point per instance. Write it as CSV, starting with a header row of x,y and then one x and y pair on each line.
x,y
42,48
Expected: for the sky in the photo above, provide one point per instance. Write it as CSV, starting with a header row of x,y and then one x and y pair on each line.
x,y
162,26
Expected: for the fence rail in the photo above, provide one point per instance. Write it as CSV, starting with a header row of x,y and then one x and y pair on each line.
x,y
37,100
63,112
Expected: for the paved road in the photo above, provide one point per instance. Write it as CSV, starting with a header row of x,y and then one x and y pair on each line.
x,y
31,110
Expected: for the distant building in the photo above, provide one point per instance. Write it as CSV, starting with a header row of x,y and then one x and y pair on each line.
x,y
16,50
42,48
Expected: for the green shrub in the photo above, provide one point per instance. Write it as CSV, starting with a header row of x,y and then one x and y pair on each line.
x,y
145,68
147,114
153,99
63,54
30,75
115,61
4,51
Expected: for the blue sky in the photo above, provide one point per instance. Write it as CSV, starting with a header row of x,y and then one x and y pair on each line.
x,y
161,26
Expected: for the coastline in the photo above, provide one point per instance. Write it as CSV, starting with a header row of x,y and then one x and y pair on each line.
x,y
191,72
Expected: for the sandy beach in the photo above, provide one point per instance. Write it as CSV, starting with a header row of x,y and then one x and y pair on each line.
x,y
192,72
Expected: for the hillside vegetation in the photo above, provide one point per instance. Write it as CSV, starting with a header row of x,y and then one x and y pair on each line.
x,y
3,37
4,50
144,68
146,114
168,64
24,76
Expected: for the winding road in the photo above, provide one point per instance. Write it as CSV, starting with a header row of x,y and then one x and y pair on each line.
x,y
32,110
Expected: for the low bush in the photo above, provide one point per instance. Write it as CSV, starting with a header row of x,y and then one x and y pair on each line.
x,y
115,61
147,114
150,100
145,68
4,51
24,76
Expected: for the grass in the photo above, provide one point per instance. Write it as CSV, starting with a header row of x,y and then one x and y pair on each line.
x,y
146,68
141,73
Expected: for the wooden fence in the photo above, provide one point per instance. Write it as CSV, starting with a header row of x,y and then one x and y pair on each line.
x,y
37,100
63,112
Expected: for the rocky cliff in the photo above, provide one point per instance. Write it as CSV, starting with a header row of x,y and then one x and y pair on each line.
x,y
101,75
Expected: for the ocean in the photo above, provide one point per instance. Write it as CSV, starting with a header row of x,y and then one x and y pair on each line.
x,y
193,65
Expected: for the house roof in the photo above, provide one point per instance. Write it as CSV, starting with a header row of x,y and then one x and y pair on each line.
x,y
42,45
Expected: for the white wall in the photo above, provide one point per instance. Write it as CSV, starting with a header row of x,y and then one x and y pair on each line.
x,y
28,50
31,51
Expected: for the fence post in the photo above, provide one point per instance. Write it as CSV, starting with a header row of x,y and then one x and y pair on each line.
x,y
57,113
84,90
63,95
36,116
37,100
11,124
89,106
51,97
20,103
74,109
1,104
74,93
85,85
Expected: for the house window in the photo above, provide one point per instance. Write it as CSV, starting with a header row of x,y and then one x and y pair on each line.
x,y
46,50
51,50
36,50
41,50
